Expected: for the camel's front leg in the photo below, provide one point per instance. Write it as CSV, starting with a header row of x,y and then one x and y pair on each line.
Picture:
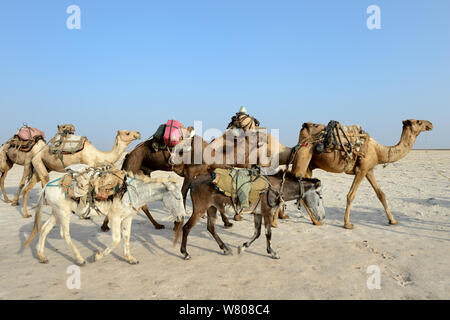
x,y
126,232
26,191
2,186
350,196
115,230
26,173
380,194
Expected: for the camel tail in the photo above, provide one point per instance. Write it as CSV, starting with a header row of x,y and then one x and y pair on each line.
x,y
37,220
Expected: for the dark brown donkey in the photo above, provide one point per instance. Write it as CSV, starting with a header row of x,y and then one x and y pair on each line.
x,y
206,198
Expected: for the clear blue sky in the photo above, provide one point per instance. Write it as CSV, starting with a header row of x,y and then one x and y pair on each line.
x,y
135,64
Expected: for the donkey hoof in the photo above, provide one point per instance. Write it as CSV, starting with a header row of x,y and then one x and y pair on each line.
x,y
228,225
275,256
187,256
348,226
104,228
227,252
240,249
159,227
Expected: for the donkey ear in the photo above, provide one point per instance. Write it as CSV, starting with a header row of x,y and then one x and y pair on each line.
x,y
318,184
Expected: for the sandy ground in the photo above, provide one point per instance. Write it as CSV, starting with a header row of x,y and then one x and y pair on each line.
x,y
327,262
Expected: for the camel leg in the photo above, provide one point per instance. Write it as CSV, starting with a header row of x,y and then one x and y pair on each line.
x,y
26,191
350,196
65,231
258,222
212,214
380,194
26,173
2,185
268,225
126,231
115,229
282,212
186,229
48,225
237,217
225,220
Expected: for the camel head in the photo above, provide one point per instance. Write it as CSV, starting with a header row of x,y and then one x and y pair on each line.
x,y
309,131
128,136
417,126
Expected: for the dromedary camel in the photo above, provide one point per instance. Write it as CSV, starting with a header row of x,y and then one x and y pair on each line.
x,y
11,156
307,160
143,158
44,162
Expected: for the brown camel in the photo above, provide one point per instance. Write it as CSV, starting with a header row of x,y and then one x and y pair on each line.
x,y
44,162
307,160
143,158
11,156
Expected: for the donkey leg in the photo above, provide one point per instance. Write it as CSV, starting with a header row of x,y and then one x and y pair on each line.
x,y
104,226
126,231
268,225
115,230
275,218
225,220
48,225
380,194
212,215
65,230
186,229
258,222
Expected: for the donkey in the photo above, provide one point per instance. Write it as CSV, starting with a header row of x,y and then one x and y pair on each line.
x,y
205,197
140,190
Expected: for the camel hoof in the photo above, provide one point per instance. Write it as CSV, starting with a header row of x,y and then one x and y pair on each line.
x,y
43,260
318,223
228,225
348,226
27,216
81,263
15,203
7,200
393,222
274,225
98,256
159,227
237,217
133,261
284,217
104,228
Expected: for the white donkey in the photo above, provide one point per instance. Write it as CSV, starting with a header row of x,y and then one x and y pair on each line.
x,y
140,191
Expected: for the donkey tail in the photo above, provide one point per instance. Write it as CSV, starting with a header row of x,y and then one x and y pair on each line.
x,y
37,219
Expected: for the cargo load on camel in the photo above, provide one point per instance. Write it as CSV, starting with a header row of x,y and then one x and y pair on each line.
x,y
65,142
169,135
351,141
244,186
25,139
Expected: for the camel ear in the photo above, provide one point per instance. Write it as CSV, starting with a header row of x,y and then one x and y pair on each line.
x,y
407,122
306,125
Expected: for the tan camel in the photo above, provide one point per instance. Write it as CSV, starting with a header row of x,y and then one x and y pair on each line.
x,y
11,156
307,160
44,161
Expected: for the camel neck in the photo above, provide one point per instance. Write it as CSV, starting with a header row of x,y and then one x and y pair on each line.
x,y
389,154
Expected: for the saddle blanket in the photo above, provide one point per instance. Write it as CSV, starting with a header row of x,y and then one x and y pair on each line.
x,y
67,144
